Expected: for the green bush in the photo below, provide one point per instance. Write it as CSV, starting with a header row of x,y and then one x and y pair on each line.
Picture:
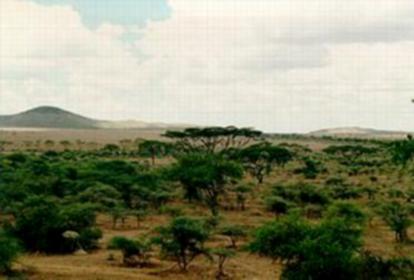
x,y
41,221
277,205
374,267
134,252
9,250
183,240
350,212
206,177
234,232
398,217
325,251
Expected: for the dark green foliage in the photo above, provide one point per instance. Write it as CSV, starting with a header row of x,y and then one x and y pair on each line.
x,y
350,212
260,159
134,252
183,240
241,196
326,251
374,267
397,216
311,168
154,149
89,237
9,250
309,194
339,189
171,210
212,139
234,232
302,194
277,205
111,150
41,221
350,150
279,240
402,151
105,196
206,177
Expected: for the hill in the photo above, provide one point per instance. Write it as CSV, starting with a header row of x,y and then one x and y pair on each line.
x,y
358,132
48,117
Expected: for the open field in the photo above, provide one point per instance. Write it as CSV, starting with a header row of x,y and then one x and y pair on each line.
x,y
29,138
21,136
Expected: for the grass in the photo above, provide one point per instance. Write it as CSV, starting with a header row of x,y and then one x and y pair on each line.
x,y
378,238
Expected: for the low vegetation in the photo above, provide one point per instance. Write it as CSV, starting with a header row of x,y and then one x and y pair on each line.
x,y
203,200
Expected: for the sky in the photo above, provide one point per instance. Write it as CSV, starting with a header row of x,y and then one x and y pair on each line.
x,y
277,65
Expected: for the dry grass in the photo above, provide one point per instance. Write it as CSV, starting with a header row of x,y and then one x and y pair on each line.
x,y
378,237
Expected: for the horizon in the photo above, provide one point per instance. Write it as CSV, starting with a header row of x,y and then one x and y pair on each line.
x,y
287,66
331,129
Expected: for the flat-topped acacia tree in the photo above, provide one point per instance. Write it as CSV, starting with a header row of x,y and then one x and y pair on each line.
x,y
213,139
154,149
260,159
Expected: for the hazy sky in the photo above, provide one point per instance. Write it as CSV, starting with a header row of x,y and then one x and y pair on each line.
x,y
278,65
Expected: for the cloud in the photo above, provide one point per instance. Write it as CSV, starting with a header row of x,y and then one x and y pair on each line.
x,y
286,65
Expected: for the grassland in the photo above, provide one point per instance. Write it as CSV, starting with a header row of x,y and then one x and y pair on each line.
x,y
378,238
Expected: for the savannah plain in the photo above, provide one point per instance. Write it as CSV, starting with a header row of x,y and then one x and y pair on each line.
x,y
390,181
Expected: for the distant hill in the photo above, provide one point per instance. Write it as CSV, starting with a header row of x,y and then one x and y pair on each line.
x,y
54,118
48,117
358,132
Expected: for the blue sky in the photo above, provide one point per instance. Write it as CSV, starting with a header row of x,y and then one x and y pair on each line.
x,y
124,12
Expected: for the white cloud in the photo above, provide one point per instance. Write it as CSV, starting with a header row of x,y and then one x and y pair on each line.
x,y
286,65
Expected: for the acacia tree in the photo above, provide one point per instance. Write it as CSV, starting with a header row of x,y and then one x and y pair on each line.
x,y
213,139
154,149
222,255
134,252
206,177
402,151
260,159
397,216
233,232
183,240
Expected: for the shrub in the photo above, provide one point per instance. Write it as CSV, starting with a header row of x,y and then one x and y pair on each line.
x,y
311,168
325,251
234,232
104,195
374,267
88,238
134,252
41,222
276,205
260,159
183,240
171,210
206,177
222,255
241,193
9,250
312,195
397,216
348,211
